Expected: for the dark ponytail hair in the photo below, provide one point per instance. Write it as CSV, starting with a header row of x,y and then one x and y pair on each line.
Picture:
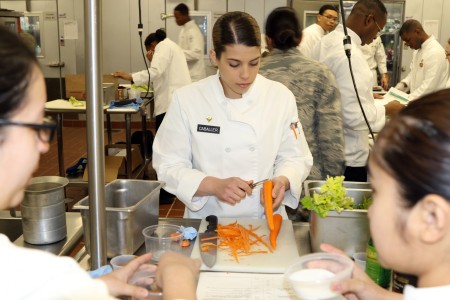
x,y
235,28
158,36
17,61
414,148
283,28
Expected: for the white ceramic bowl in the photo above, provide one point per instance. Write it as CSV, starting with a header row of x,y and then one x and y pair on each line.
x,y
311,275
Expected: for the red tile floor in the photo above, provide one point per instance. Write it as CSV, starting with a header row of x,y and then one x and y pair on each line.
x,y
74,141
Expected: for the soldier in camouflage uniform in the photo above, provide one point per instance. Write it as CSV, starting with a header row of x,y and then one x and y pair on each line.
x,y
315,90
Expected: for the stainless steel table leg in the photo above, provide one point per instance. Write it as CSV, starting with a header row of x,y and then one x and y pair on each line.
x,y
59,137
108,128
128,136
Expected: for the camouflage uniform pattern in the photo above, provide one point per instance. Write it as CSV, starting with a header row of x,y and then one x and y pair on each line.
x,y
319,107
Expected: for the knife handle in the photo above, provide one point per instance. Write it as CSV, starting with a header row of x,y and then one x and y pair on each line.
x,y
212,220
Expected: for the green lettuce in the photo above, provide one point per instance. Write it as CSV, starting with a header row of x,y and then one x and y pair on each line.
x,y
332,196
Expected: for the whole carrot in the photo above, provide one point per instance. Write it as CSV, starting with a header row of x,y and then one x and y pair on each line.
x,y
277,221
268,202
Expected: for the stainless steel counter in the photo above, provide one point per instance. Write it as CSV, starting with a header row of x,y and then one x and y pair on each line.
x,y
301,232
65,246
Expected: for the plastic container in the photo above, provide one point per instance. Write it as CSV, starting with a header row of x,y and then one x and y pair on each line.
x,y
162,238
312,275
120,261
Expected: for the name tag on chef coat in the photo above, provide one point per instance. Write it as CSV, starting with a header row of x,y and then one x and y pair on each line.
x,y
208,129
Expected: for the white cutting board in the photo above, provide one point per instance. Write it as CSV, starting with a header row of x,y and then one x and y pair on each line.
x,y
275,262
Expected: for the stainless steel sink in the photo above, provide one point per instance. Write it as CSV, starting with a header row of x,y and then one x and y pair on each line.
x,y
10,226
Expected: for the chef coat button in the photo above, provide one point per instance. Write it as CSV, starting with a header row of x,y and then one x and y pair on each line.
x,y
227,149
252,148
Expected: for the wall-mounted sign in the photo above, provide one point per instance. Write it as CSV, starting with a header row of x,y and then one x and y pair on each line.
x,y
49,15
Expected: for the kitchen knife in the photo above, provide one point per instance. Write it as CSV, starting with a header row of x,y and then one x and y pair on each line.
x,y
208,248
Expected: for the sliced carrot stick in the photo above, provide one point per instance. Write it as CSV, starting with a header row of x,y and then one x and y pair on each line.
x,y
277,221
239,241
268,202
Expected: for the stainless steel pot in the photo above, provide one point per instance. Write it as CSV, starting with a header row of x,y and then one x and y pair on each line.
x,y
43,210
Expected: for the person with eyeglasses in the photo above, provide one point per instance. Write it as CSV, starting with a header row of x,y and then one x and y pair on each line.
x,y
427,72
327,19
25,134
365,21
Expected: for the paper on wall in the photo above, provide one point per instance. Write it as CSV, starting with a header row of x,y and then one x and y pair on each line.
x,y
71,30
431,27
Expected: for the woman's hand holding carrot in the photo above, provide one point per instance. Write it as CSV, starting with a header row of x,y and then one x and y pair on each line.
x,y
280,185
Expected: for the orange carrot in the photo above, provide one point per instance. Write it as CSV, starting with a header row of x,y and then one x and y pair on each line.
x,y
277,220
238,240
268,203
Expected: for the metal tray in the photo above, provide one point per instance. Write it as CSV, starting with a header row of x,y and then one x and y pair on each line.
x,y
131,205
347,230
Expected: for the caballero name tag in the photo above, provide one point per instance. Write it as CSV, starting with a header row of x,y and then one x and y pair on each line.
x,y
208,129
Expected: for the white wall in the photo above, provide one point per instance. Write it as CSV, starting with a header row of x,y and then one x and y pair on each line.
x,y
423,10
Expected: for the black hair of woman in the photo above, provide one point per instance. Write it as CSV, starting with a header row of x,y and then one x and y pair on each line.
x,y
283,28
16,63
157,36
235,28
414,148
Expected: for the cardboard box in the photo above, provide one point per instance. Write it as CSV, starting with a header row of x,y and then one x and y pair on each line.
x,y
116,162
76,87
112,166
120,150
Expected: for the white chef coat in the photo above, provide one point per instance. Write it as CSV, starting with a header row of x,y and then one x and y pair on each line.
x,y
330,50
310,36
435,293
35,274
376,58
191,41
428,69
206,134
168,71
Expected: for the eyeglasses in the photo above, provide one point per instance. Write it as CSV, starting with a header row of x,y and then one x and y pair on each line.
x,y
331,18
45,131
379,28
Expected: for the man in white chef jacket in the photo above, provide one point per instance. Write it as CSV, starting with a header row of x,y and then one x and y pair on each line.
x,y
191,41
428,73
327,19
376,58
364,24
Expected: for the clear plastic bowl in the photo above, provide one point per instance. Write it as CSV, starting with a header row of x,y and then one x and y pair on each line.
x,y
312,275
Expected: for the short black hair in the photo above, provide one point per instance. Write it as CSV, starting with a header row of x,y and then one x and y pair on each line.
x,y
182,9
159,35
410,26
328,7
369,6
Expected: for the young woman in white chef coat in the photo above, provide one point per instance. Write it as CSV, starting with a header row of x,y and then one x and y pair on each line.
x,y
410,215
231,129
24,135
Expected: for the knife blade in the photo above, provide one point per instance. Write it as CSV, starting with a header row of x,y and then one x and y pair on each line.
x,y
208,248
